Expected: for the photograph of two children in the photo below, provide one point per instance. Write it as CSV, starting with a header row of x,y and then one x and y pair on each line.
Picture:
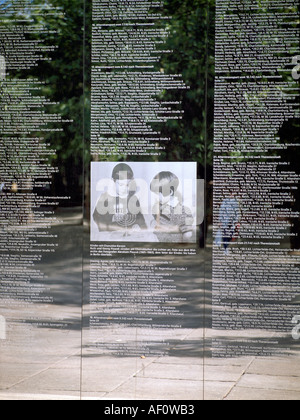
x,y
144,202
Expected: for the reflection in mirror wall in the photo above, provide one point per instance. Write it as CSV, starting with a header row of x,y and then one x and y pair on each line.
x,y
149,200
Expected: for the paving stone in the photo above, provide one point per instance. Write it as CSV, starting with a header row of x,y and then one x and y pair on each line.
x,y
159,389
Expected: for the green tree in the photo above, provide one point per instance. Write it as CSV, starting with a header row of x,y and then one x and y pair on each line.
x,y
192,42
62,23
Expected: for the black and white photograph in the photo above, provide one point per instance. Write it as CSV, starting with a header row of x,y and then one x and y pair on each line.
x,y
144,202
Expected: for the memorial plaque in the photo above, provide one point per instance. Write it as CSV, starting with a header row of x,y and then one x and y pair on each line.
x,y
41,217
145,272
149,202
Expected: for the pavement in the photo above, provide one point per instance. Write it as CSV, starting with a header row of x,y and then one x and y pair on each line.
x,y
46,354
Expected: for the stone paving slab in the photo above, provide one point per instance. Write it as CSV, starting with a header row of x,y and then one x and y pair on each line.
x,y
257,394
151,378
285,383
159,389
39,362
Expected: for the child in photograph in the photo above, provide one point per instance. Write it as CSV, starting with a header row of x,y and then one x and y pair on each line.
x,y
118,209
173,222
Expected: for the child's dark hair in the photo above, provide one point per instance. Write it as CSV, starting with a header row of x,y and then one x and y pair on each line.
x,y
165,182
122,171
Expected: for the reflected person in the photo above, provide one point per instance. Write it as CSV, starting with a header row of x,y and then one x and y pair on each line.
x,y
229,219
